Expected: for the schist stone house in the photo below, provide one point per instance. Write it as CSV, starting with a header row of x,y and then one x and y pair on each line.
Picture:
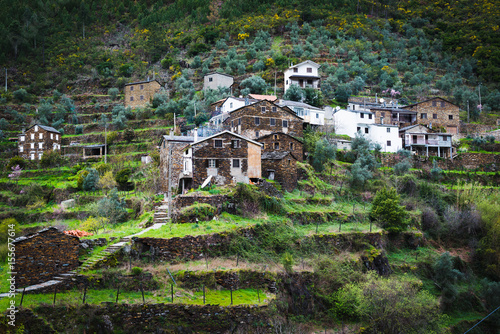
x,y
216,80
282,142
303,75
437,112
43,255
224,158
263,118
281,167
137,94
172,152
38,139
423,141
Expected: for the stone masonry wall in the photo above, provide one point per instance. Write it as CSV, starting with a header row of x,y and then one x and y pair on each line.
x,y
442,113
216,201
224,157
285,169
44,255
177,163
462,161
248,127
47,142
285,141
135,92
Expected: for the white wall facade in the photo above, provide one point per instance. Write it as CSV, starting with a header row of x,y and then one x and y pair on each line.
x,y
215,80
303,75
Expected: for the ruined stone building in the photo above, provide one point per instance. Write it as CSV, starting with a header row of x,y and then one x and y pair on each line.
x,y
38,139
172,151
263,118
137,94
224,158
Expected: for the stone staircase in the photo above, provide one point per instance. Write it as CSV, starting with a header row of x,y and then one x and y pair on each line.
x,y
102,255
161,214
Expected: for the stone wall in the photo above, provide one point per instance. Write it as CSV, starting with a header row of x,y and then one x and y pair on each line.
x,y
228,279
216,201
44,255
472,161
177,162
285,171
286,143
243,120
438,112
140,93
472,128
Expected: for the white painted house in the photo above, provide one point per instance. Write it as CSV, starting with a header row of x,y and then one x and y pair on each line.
x,y
311,115
230,104
215,80
349,122
304,75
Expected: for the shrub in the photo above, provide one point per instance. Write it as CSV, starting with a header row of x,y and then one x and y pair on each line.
x,y
51,159
94,224
16,161
82,174
102,167
111,137
129,135
122,177
107,181
387,211
287,262
136,271
91,181
79,129
436,172
113,93
445,277
111,207
294,93
198,48
4,125
21,95
195,212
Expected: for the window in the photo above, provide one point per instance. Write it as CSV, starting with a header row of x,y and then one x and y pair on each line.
x,y
232,124
239,121
32,136
51,136
388,143
32,156
443,104
295,70
235,143
434,103
285,124
370,116
40,145
273,121
435,116
131,98
230,104
309,82
423,116
382,114
450,117
141,97
388,130
353,107
358,129
210,79
57,137
36,128
211,163
275,137
257,121
362,115
142,87
263,109
289,162
291,146
131,88
274,109
40,156
309,70
445,138
276,146
22,138
32,146
317,115
218,143
366,130
21,148
40,136
236,163
256,134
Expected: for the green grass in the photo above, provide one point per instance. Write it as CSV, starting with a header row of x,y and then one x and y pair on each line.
x,y
181,296
333,228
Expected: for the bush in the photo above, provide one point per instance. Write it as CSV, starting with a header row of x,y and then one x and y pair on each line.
x,y
113,93
122,177
94,224
194,213
387,211
79,129
287,262
21,95
111,207
136,271
445,277
16,161
51,159
294,93
129,135
102,167
198,48
91,181
111,137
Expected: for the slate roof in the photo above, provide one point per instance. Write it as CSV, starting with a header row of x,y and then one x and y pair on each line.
x,y
45,127
228,132
280,133
32,235
141,82
289,103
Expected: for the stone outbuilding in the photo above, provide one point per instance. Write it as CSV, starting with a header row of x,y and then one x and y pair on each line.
x,y
215,80
282,142
263,118
38,139
43,255
280,167
138,94
224,158
172,151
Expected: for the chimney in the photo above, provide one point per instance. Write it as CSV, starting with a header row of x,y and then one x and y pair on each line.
x,y
171,132
241,96
247,102
195,134
381,119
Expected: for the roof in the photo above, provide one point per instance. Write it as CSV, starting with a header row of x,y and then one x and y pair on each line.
x,y
141,82
276,155
284,108
93,146
51,228
394,110
408,127
432,98
290,103
310,62
46,128
251,101
298,76
280,133
227,132
226,75
185,139
270,98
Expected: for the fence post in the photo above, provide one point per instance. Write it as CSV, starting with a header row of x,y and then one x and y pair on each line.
x,y
84,293
203,294
258,294
142,291
231,289
22,297
172,292
55,293
340,225
237,259
117,293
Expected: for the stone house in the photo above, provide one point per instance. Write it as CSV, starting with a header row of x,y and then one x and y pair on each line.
x,y
229,104
421,140
38,139
303,75
43,255
172,151
263,118
215,80
437,112
280,166
138,94
224,158
282,142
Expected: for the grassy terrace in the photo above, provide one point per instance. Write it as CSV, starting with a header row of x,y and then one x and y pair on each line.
x,y
181,296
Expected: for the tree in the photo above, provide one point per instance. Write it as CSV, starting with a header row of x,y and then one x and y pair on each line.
x,y
122,177
16,173
255,84
111,207
387,211
445,277
404,164
343,92
91,181
107,181
323,152
94,224
312,96
129,135
294,93
113,93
